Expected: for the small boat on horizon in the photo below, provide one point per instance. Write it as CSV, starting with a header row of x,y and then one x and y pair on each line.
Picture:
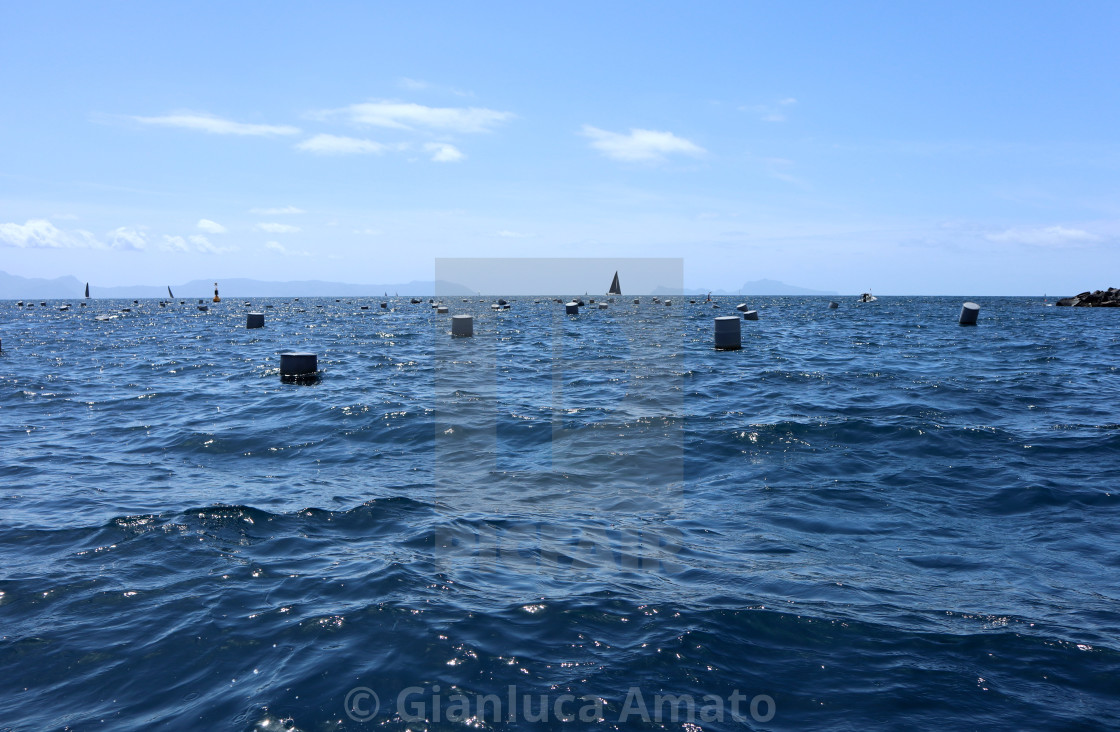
x,y
867,297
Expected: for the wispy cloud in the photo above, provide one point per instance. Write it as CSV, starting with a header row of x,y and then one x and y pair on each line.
x,y
194,244
410,116
211,227
273,227
1049,236
775,112
281,211
639,145
42,234
275,246
444,153
324,144
216,125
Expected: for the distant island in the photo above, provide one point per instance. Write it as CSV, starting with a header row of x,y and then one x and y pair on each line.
x,y
1109,298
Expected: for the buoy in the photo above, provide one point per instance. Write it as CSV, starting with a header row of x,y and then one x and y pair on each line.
x,y
571,308
441,310
216,298
365,307
502,302
728,337
833,305
969,311
668,302
298,363
384,305
637,301
462,325
203,308
254,320
602,306
750,315
495,306
741,307
581,303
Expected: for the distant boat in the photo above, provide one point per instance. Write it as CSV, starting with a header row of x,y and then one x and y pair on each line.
x,y
87,290
615,289
170,293
867,297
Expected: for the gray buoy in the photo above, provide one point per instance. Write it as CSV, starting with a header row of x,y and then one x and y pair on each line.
x,y
833,305
364,307
637,301
384,305
298,363
750,315
969,312
728,336
602,306
571,308
741,307
254,320
441,310
462,325
668,302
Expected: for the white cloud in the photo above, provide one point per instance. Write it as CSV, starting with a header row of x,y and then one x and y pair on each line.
x,y
409,116
195,243
128,237
279,248
337,145
275,228
277,211
1049,236
216,125
174,244
36,234
211,227
639,145
444,153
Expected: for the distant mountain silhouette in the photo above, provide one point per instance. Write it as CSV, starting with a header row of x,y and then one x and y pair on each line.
x,y
14,287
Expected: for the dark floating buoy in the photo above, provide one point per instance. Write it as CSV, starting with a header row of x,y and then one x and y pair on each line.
x,y
602,306
969,312
384,305
414,300
506,302
441,310
728,335
750,315
254,320
741,307
462,326
832,305
365,307
203,308
299,366
571,308
637,301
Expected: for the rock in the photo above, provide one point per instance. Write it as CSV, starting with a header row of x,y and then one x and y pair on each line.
x,y
1109,298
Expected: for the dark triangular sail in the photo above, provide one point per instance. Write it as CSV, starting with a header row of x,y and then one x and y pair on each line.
x,y
169,293
87,289
615,289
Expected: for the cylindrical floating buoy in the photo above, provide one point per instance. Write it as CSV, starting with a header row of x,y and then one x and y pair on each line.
x,y
637,301
832,305
462,325
254,320
668,302
750,315
441,310
602,306
728,337
384,305
741,307
571,308
298,363
969,312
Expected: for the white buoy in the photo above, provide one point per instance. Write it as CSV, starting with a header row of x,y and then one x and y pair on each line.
x,y
298,363
441,310
969,312
668,302
571,308
462,325
602,306
750,315
254,320
741,307
728,336
833,305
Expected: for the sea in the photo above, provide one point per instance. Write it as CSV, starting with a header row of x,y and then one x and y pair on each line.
x,y
867,518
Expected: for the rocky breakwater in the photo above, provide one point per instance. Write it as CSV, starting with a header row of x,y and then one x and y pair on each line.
x,y
1109,298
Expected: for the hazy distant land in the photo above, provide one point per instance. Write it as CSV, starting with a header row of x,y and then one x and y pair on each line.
x,y
15,287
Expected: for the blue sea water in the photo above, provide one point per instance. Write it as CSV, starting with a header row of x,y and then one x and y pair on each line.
x,y
867,518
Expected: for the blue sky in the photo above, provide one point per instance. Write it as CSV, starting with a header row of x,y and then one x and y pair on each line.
x,y
940,148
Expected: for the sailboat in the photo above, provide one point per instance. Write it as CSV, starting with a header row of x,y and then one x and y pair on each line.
x,y
87,290
615,289
170,293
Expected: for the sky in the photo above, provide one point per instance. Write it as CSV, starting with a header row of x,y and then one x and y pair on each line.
x,y
933,148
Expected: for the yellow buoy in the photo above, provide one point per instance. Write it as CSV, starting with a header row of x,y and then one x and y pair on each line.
x,y
216,298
